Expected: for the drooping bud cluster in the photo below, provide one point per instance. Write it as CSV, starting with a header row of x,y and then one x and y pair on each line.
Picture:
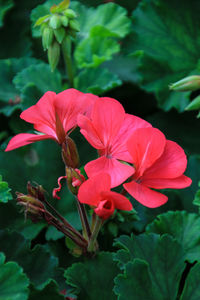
x,y
56,27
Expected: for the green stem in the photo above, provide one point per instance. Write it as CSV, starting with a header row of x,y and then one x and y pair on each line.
x,y
66,51
92,246
84,219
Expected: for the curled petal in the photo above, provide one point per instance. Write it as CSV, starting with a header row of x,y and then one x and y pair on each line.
x,y
144,195
56,190
23,139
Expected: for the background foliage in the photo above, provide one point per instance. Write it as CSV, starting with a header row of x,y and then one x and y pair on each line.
x,y
130,50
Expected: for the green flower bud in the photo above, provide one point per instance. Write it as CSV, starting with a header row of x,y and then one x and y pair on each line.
x,y
70,153
59,34
74,25
194,105
53,55
55,22
47,37
64,21
70,13
42,20
190,83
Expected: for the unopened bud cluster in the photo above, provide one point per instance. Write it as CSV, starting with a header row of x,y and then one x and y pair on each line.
x,y
56,27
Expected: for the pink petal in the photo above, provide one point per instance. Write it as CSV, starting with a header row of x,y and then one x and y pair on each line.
x,y
45,129
107,117
129,125
145,145
118,171
23,139
105,209
43,112
120,201
144,195
70,103
89,132
171,183
56,190
89,191
171,164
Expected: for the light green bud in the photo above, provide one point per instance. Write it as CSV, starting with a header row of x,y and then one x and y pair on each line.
x,y
190,83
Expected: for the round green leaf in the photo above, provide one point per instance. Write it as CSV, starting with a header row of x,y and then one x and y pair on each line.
x,y
93,279
13,282
184,227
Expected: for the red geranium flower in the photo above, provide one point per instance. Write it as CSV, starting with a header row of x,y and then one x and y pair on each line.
x,y
107,130
159,164
53,117
96,192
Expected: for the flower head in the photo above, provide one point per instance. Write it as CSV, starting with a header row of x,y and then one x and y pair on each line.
x,y
96,192
53,116
107,130
159,164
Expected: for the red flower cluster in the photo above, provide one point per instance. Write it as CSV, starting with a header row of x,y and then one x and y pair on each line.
x,y
129,149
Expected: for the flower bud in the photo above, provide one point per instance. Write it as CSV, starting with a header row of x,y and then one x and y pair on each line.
x,y
194,105
47,37
55,22
64,20
70,153
42,20
59,34
190,83
31,205
74,25
70,13
53,55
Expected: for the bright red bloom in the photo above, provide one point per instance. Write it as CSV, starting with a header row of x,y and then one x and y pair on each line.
x,y
107,130
159,164
53,116
96,192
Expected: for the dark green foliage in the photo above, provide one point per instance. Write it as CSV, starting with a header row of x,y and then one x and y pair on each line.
x,y
132,51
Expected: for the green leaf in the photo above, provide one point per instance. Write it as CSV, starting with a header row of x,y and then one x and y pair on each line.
x,y
191,289
96,49
131,283
11,218
50,291
50,81
164,256
13,282
5,6
168,34
110,15
9,95
197,197
96,81
93,278
5,194
184,227
38,263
